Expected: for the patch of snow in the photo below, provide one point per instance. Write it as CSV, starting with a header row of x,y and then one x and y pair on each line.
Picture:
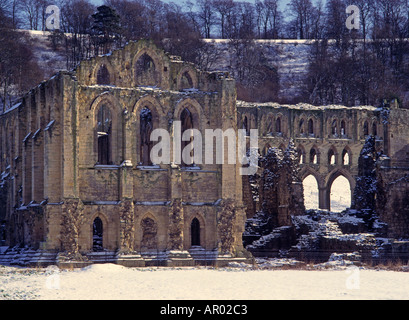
x,y
110,282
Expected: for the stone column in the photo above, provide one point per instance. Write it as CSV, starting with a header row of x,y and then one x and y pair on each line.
x,y
177,255
323,199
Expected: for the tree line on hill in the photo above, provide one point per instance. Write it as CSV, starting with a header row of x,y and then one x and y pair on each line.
x,y
350,67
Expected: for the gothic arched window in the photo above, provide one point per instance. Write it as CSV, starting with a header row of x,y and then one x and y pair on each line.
x,y
145,71
278,125
103,77
311,127
104,132
195,232
146,127
187,124
97,235
186,82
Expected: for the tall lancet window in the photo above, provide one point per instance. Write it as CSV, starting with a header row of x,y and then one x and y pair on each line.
x,y
103,76
187,125
104,131
145,134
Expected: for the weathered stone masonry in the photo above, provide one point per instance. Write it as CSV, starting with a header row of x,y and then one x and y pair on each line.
x,y
77,182
76,173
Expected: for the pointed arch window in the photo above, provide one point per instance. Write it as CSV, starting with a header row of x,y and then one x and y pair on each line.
x,y
146,128
186,81
311,128
145,71
195,232
331,157
103,76
313,156
246,125
374,129
187,125
301,155
334,128
343,128
278,125
97,235
104,132
345,158
301,127
366,128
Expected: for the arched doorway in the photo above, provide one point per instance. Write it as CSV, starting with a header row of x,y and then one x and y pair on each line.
x,y
340,194
195,232
97,235
311,192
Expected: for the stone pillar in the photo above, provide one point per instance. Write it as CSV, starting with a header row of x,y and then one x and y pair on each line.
x,y
126,180
177,255
72,219
323,199
127,255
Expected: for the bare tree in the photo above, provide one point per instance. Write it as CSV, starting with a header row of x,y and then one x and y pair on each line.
x,y
76,23
225,9
302,12
18,69
206,16
268,18
132,14
33,12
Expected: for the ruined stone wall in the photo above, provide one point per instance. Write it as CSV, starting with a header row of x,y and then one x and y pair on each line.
x,y
142,207
392,205
328,139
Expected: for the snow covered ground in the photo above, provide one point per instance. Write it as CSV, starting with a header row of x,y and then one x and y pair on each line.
x,y
111,282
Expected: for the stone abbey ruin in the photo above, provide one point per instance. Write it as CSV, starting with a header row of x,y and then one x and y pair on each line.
x,y
78,186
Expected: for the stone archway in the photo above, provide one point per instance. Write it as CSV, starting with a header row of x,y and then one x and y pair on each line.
x,y
348,190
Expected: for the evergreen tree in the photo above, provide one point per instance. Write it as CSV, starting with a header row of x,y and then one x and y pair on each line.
x,y
106,27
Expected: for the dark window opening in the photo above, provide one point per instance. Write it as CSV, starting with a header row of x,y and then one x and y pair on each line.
x,y
186,81
343,128
103,77
366,128
311,127
374,129
195,232
145,71
97,235
278,125
145,133
187,124
301,156
313,156
246,126
301,126
104,127
331,157
334,127
345,158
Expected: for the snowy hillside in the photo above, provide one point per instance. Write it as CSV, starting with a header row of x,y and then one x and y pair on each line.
x,y
290,57
49,60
